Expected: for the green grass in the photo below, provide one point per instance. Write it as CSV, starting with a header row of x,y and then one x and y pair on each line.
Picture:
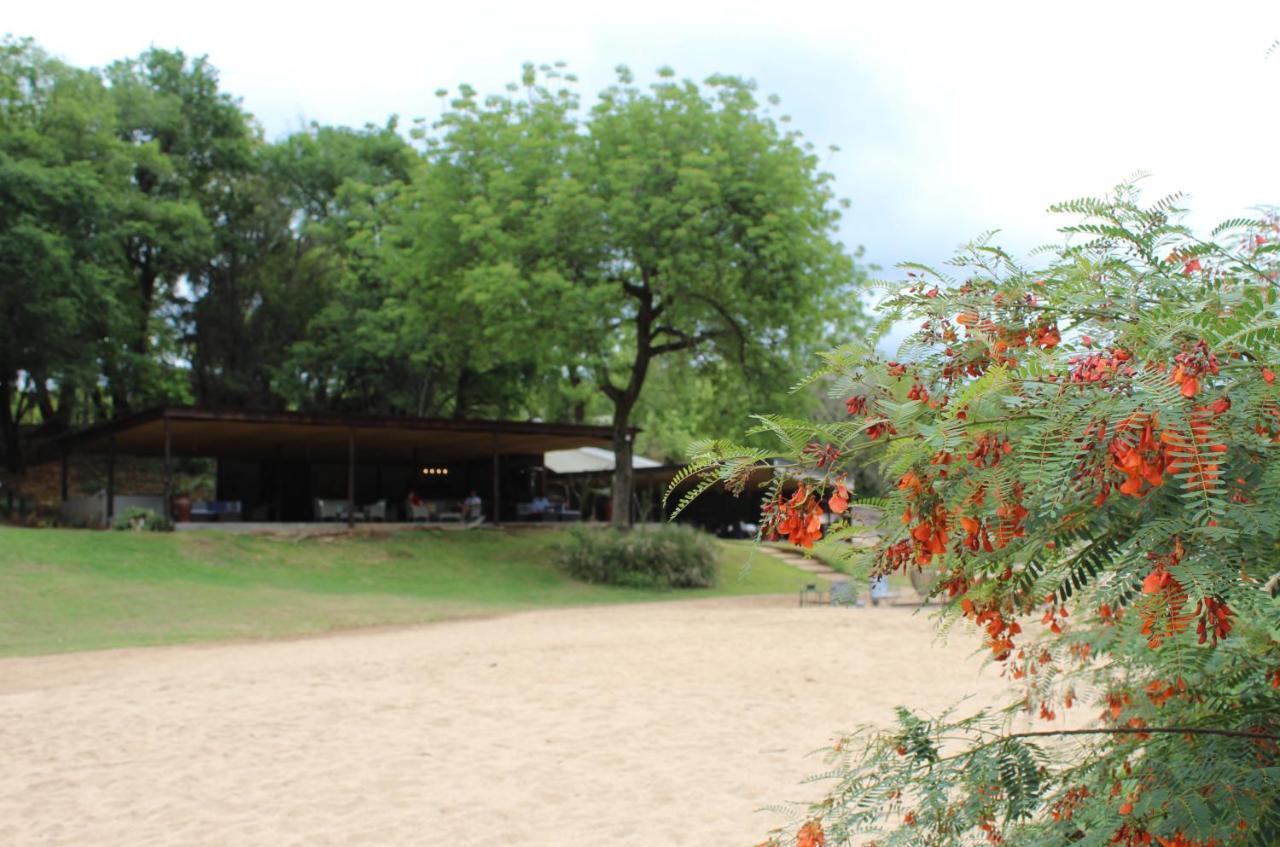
x,y
63,590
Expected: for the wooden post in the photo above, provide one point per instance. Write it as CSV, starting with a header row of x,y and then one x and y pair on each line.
x,y
277,507
111,481
64,476
168,469
351,477
497,487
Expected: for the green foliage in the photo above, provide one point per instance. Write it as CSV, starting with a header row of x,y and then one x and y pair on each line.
x,y
139,519
634,262
672,556
1085,452
675,223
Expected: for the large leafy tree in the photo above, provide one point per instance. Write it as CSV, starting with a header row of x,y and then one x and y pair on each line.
x,y
679,220
191,145
63,174
717,230
288,269
1085,457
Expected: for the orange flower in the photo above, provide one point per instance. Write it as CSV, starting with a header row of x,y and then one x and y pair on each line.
x,y
811,835
800,518
1048,337
840,499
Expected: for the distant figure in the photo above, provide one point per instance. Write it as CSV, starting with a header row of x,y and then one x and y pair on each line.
x,y
471,507
540,505
879,589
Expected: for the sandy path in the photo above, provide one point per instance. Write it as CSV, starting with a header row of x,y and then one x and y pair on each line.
x,y
663,724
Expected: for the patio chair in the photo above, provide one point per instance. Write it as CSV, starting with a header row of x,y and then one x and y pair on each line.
x,y
419,511
375,511
811,596
843,593
330,510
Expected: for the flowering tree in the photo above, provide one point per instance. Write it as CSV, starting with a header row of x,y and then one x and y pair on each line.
x,y
1085,455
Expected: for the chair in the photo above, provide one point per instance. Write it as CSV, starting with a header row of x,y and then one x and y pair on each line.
x,y
375,511
419,511
843,593
330,510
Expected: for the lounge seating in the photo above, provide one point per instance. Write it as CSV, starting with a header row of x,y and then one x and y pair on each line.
x,y
216,510
529,511
417,511
330,510
375,511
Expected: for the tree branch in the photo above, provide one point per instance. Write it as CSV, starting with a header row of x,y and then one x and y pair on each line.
x,y
686,342
1135,730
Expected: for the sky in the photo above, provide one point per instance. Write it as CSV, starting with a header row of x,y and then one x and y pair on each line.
x,y
951,118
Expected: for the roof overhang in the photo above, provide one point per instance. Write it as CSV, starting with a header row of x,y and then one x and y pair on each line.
x,y
324,436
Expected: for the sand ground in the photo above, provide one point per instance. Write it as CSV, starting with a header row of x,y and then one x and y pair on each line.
x,y
656,724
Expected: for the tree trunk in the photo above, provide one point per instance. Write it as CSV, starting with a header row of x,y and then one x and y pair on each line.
x,y
580,406
620,517
9,428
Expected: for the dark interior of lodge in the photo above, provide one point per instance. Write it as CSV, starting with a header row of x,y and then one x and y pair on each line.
x,y
302,467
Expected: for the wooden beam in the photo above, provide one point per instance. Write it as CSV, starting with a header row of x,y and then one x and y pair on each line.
x,y
168,469
63,487
497,486
351,477
277,503
111,482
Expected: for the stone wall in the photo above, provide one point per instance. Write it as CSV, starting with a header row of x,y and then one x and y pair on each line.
x,y
41,484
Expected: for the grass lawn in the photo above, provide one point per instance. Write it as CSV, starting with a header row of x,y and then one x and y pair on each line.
x,y
63,590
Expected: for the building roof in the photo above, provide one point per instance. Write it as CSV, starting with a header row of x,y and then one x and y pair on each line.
x,y
589,460
323,436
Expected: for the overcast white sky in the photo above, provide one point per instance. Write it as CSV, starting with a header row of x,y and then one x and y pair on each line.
x,y
952,118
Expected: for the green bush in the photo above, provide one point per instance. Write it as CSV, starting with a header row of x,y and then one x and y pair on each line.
x,y
139,519
670,555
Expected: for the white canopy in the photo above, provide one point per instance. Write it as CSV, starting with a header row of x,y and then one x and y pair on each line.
x,y
589,460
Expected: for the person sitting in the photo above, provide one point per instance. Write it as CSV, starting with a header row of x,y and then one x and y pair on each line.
x,y
472,508
541,506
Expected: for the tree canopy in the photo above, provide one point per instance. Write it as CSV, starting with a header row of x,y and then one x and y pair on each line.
x,y
632,261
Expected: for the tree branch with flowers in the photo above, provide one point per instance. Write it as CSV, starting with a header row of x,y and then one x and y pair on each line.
x,y
1086,454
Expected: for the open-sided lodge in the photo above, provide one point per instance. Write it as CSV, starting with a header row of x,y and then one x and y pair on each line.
x,y
298,466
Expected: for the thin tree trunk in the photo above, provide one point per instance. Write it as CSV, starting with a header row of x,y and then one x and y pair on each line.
x,y
622,467
9,433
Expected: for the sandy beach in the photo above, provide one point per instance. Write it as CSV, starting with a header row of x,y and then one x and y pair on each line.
x,y
655,724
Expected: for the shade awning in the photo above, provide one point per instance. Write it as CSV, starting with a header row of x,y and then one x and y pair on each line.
x,y
590,460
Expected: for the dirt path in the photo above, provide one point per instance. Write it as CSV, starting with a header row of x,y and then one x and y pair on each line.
x,y
663,724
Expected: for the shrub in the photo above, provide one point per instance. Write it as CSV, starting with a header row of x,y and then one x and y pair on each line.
x,y
671,555
1088,452
139,519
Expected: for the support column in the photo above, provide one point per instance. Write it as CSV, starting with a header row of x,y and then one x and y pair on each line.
x,y
497,487
111,481
168,469
351,477
277,504
63,480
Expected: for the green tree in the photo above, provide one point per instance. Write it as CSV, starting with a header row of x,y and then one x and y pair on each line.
x,y
286,267
62,175
677,221
189,143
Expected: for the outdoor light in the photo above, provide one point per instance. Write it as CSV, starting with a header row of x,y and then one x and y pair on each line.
x,y
435,471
